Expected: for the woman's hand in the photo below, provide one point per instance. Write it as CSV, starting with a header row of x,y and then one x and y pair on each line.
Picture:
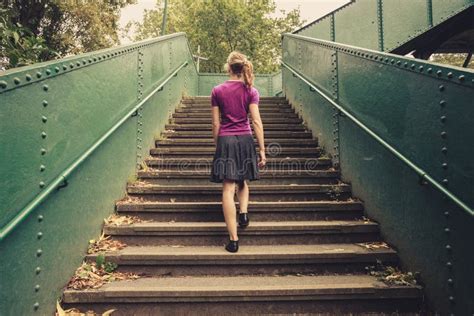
x,y
263,158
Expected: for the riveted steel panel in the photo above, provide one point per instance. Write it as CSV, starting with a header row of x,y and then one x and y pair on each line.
x,y
357,24
86,96
321,29
402,21
443,10
423,110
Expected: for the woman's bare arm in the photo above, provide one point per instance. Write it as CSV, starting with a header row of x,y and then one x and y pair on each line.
x,y
258,128
215,123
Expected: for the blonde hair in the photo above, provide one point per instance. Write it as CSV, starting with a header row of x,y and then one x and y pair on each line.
x,y
239,65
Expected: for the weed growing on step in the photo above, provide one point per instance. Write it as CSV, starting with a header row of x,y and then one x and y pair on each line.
x,y
90,275
104,244
76,312
374,245
392,275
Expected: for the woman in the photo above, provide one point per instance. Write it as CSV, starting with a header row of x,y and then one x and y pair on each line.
x,y
235,159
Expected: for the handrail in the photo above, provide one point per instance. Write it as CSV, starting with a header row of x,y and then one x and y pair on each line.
x,y
423,175
62,178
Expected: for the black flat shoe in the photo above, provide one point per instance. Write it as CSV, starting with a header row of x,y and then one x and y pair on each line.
x,y
244,220
232,246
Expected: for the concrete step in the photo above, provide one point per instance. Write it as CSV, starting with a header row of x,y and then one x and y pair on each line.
x,y
208,98
272,151
210,142
262,259
264,115
267,121
208,134
260,211
261,103
283,192
200,175
257,233
208,127
248,295
303,163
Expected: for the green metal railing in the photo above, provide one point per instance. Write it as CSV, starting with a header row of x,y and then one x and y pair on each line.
x,y
393,124
73,131
423,175
382,25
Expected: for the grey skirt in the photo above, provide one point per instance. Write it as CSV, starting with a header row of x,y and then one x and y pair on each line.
x,y
235,159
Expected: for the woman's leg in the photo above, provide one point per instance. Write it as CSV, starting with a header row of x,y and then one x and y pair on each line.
x,y
243,196
228,205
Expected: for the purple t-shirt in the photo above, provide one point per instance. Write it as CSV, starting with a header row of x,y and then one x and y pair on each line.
x,y
233,99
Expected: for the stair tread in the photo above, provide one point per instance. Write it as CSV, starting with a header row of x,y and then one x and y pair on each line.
x,y
252,204
256,252
254,226
248,287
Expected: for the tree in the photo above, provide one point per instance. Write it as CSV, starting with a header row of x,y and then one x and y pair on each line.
x,y
64,27
221,26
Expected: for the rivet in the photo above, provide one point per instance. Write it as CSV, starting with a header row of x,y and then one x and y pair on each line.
x,y
444,134
38,74
56,69
89,60
16,80
44,119
28,77
439,72
446,213
37,287
386,60
442,103
444,150
78,63
40,218
95,58
451,299
39,235
42,167
412,66
43,134
45,87
450,281
392,61
447,230
429,70
450,74
42,184
399,63
48,72
71,65
421,68
3,84
64,67
405,64
38,270
443,119
441,88
39,252
449,264
461,78
43,151
84,61
36,305
444,165
445,181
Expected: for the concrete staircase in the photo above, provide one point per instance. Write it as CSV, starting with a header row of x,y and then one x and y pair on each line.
x,y
302,253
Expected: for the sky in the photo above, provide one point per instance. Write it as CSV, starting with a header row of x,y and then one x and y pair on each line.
x,y
310,9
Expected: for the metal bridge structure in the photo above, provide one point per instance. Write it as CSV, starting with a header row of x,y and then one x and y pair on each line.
x,y
399,129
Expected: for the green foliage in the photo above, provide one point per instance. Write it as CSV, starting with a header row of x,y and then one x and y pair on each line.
x,y
108,266
221,26
50,28
19,45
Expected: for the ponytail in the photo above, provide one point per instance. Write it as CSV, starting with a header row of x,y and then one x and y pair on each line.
x,y
238,64
248,73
